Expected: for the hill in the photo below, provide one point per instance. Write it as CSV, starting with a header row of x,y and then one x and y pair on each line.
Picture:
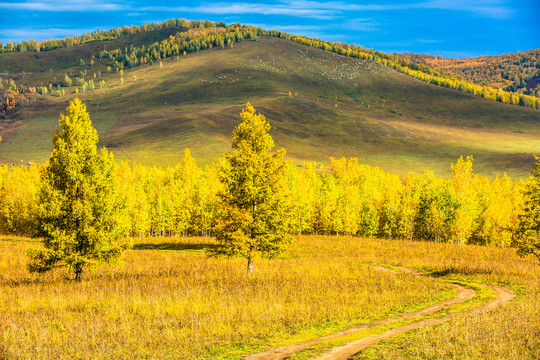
x,y
320,103
511,72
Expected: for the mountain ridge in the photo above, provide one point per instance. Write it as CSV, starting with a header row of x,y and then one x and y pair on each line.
x,y
321,104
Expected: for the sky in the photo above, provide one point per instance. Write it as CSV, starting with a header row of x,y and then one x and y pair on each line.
x,y
451,28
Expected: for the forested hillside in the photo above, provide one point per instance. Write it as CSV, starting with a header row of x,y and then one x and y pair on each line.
x,y
516,72
153,92
197,35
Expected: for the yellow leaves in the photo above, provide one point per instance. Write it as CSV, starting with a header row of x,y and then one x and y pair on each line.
x,y
19,188
251,136
79,213
529,220
253,214
354,199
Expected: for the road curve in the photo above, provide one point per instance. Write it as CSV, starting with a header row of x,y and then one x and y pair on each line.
x,y
344,352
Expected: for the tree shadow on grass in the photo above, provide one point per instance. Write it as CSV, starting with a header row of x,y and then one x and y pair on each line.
x,y
457,271
21,240
175,246
441,273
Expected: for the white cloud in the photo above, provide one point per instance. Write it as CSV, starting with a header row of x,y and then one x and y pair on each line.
x,y
362,24
428,41
249,8
341,6
492,8
40,34
489,8
322,10
47,5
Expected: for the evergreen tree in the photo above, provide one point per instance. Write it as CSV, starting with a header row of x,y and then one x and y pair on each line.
x,y
529,225
79,215
253,217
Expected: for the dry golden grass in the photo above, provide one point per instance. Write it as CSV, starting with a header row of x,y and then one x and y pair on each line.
x,y
168,300
511,332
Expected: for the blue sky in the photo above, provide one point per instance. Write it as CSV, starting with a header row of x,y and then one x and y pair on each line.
x,y
453,28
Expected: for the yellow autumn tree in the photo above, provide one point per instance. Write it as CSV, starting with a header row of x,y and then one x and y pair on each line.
x,y
529,225
253,217
80,217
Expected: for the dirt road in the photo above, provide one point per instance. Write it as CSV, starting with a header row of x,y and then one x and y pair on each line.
x,y
344,352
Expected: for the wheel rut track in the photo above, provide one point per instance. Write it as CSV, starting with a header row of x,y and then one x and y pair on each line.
x,y
346,351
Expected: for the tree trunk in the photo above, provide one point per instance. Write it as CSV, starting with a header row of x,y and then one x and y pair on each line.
x,y
253,238
78,273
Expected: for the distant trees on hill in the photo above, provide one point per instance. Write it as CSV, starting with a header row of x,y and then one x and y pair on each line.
x,y
199,35
202,38
516,72
32,45
190,41
418,71
13,95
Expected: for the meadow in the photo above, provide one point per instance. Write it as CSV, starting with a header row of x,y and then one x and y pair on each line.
x,y
169,300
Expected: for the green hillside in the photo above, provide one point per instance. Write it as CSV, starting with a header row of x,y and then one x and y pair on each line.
x,y
45,65
342,107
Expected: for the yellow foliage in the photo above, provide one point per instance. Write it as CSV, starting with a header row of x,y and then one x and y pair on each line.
x,y
354,199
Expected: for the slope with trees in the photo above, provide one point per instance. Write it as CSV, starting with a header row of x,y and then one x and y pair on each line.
x,y
383,117
203,35
514,72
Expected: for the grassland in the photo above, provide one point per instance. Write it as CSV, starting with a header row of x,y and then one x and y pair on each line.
x,y
340,107
168,300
